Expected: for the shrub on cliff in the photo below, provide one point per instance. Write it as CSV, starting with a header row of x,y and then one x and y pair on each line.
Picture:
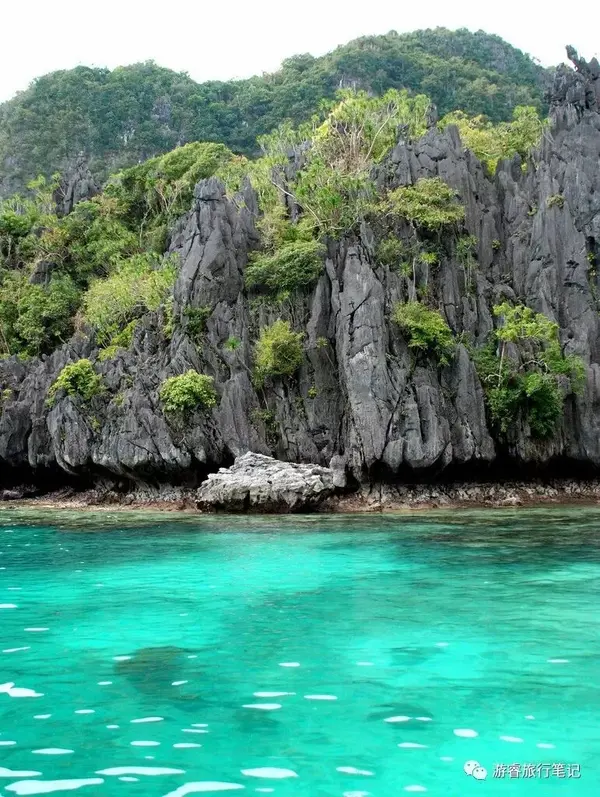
x,y
93,240
337,150
425,329
119,342
294,266
196,319
531,388
492,142
156,192
34,319
391,252
278,351
187,392
77,380
139,285
430,203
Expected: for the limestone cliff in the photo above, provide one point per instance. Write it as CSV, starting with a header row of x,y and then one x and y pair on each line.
x,y
361,400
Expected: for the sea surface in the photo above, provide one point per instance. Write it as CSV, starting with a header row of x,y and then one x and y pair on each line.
x,y
163,655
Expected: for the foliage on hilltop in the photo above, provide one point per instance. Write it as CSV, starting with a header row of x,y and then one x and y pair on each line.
x,y
121,117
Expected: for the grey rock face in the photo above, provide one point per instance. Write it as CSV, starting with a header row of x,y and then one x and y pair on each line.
x,y
362,403
77,184
263,483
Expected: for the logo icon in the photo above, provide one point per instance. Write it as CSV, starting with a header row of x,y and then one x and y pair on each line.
x,y
475,770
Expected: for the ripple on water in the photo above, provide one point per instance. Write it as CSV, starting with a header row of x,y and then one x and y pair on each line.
x,y
466,733
119,771
147,719
144,743
514,739
289,664
7,744
14,773
53,751
269,772
15,650
263,706
354,771
47,786
412,745
320,697
18,691
204,786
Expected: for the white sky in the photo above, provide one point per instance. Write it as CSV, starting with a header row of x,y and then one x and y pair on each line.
x,y
239,38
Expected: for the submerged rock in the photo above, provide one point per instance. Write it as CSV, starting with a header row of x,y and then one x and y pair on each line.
x,y
256,481
154,670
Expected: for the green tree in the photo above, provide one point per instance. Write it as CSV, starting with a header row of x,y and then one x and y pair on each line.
x,y
334,186
155,193
278,351
77,380
426,330
492,142
139,285
188,392
293,267
529,381
430,204
34,319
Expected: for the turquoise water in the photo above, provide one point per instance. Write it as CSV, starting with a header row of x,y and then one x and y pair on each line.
x,y
177,655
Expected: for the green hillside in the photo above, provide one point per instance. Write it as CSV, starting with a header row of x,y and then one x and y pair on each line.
x,y
121,117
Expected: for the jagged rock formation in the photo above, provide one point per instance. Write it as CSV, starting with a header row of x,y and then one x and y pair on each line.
x,y
77,184
360,400
263,483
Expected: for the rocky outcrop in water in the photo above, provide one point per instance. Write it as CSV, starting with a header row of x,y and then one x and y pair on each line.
x,y
258,482
360,400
